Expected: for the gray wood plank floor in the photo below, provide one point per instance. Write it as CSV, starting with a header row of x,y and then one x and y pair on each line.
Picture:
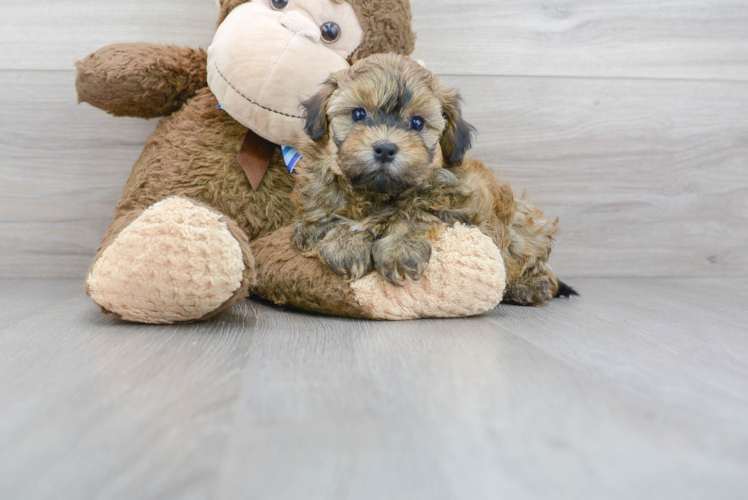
x,y
638,389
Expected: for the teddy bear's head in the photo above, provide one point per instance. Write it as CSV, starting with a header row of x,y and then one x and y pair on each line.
x,y
270,55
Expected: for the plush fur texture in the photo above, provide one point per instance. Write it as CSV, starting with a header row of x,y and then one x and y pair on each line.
x,y
362,209
192,154
115,78
287,278
386,24
203,265
462,259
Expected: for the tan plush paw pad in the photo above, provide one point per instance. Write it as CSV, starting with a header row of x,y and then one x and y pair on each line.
x,y
465,277
176,262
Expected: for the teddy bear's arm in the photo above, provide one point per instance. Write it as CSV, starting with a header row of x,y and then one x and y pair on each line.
x,y
141,80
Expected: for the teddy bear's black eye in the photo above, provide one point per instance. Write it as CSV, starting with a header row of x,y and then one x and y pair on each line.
x,y
330,32
359,115
417,123
279,4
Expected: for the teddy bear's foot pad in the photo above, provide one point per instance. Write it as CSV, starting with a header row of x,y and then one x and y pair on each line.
x,y
465,277
176,262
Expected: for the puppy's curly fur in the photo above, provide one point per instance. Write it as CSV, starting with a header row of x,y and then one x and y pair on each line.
x,y
385,170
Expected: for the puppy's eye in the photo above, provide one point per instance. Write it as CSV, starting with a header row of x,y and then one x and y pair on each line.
x,y
417,123
359,115
279,4
330,32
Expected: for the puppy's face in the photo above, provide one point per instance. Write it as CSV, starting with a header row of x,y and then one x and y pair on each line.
x,y
389,123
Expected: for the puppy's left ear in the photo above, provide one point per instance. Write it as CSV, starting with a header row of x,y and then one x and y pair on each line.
x,y
315,110
457,137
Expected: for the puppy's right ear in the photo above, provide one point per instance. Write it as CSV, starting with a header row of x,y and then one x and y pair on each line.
x,y
315,111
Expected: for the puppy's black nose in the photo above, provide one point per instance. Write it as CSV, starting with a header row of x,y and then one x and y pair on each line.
x,y
385,152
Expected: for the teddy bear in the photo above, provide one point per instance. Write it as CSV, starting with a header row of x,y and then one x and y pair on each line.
x,y
206,216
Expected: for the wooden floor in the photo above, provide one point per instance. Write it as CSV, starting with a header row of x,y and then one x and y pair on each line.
x,y
636,390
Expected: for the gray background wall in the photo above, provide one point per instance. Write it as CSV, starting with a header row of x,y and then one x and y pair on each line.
x,y
628,120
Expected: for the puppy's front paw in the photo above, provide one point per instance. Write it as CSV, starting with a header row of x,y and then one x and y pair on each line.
x,y
400,257
347,253
306,236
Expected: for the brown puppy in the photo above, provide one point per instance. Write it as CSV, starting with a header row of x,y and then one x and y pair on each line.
x,y
385,169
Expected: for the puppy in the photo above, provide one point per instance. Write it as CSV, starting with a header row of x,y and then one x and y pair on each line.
x,y
385,170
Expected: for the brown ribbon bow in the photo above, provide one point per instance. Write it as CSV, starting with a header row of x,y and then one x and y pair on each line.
x,y
254,157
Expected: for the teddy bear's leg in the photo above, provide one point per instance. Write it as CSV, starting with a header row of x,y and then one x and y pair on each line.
x,y
176,261
464,277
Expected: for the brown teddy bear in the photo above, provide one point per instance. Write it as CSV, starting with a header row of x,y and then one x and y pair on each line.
x,y
204,218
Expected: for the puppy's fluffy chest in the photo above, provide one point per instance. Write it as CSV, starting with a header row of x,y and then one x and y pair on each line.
x,y
443,197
